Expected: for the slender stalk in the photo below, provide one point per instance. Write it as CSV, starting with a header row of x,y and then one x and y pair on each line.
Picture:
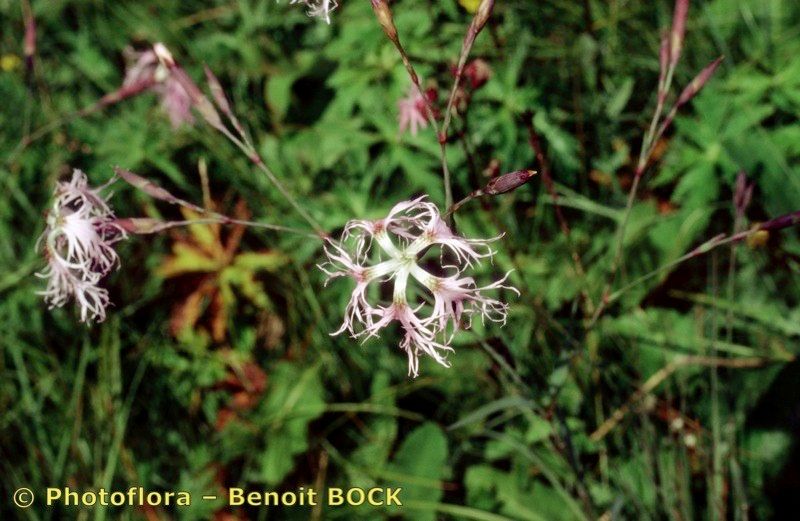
x,y
109,99
778,223
386,20
648,144
210,114
146,225
478,22
256,159
717,502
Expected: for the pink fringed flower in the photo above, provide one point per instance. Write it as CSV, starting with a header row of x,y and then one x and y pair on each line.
x,y
389,250
147,67
78,247
412,113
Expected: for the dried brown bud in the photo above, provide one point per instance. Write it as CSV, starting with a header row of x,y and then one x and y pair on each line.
x,y
508,182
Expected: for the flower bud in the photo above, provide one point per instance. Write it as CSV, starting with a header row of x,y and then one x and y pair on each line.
x,y
678,30
384,15
482,15
698,82
508,182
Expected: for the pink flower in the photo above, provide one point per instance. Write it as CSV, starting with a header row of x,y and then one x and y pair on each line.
x,y
78,247
412,112
419,335
402,237
147,67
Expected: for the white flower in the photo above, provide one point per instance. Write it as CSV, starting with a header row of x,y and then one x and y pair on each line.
x,y
318,8
78,247
402,238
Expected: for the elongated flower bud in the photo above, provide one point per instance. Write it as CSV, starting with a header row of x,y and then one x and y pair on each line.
x,y
698,82
29,48
508,182
152,189
663,64
482,15
384,15
678,30
475,27
199,101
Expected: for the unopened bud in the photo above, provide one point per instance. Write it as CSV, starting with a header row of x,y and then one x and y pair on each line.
x,y
508,182
678,30
384,15
29,47
482,15
698,82
152,189
663,63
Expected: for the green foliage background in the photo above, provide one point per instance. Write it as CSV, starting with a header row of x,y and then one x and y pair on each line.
x,y
505,433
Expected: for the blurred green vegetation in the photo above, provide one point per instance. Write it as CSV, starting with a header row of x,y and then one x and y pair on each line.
x,y
254,392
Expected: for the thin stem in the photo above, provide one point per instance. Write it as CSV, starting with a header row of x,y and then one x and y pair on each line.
x,y
108,99
250,151
454,207
222,219
716,463
778,223
648,145
384,16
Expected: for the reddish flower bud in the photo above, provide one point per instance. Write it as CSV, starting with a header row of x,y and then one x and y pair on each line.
x,y
508,182
698,82
29,47
678,30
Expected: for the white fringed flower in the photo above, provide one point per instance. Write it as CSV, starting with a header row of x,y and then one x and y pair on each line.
x,y
402,238
318,8
78,247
